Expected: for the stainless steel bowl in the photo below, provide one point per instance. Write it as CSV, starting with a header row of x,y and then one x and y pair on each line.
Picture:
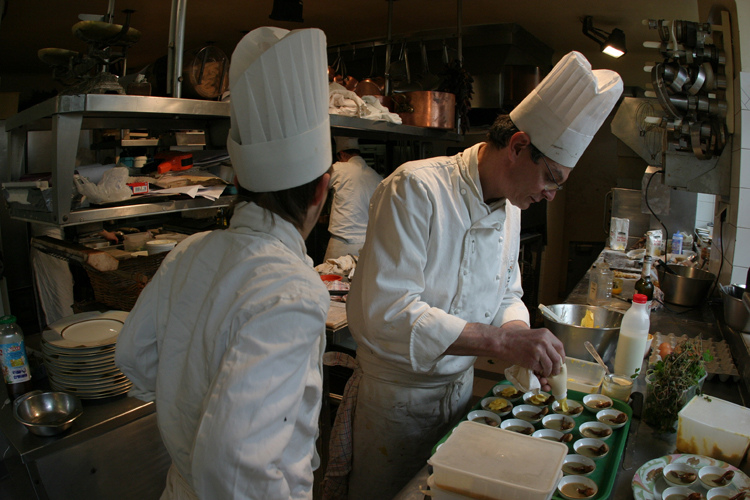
x,y
573,335
735,313
687,287
47,413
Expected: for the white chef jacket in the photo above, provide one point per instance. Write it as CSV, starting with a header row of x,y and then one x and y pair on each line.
x,y
436,257
353,183
230,335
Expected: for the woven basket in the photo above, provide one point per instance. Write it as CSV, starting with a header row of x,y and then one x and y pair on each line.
x,y
120,288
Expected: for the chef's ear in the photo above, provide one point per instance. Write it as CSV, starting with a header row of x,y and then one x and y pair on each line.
x,y
518,142
321,189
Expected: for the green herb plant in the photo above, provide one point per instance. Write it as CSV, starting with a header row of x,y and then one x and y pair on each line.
x,y
669,382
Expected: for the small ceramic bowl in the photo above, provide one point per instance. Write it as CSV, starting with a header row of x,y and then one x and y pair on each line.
x,y
676,493
487,402
484,417
709,474
527,398
549,434
595,402
570,486
585,447
721,493
595,430
557,422
578,465
674,472
575,409
606,416
527,412
508,392
518,425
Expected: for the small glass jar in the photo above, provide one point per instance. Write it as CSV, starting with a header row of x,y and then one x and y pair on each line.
x,y
617,386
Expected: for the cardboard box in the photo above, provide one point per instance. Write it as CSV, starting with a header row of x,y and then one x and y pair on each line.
x,y
714,428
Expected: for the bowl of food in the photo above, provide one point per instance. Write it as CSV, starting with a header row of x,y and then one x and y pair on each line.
x,y
578,465
577,487
680,474
715,477
562,423
498,406
47,413
518,425
574,408
597,402
552,435
530,413
613,418
595,430
484,417
604,329
595,449
721,493
508,392
538,399
678,493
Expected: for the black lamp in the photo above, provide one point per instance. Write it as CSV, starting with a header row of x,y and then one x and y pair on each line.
x,y
287,10
612,44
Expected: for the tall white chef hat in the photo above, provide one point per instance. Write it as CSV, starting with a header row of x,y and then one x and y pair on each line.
x,y
562,114
344,143
280,135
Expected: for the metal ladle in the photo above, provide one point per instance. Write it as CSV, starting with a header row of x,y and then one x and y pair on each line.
x,y
592,350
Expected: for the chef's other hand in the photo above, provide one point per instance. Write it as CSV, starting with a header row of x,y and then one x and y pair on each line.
x,y
544,383
537,349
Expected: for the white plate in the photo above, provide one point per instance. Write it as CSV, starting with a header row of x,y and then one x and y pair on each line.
x,y
95,370
95,395
82,352
86,330
90,389
89,383
74,379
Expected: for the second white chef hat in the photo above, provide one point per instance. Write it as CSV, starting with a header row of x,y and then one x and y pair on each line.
x,y
280,134
344,143
562,114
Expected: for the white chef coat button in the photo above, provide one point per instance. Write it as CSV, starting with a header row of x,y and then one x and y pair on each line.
x,y
463,191
466,272
497,277
456,311
486,315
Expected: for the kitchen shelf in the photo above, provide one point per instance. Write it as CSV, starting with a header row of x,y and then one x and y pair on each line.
x,y
67,115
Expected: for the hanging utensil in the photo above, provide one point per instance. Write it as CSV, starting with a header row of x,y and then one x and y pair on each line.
x,y
397,69
592,350
427,80
372,85
407,85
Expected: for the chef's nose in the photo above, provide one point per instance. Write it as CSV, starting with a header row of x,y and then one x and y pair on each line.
x,y
549,195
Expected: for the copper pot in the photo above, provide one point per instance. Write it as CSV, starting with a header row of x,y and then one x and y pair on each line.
x,y
430,109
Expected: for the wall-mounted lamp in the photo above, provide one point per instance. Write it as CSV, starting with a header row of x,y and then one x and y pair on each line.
x,y
287,10
612,44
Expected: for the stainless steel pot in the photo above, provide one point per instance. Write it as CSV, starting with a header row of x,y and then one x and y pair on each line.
x,y
687,287
573,335
735,313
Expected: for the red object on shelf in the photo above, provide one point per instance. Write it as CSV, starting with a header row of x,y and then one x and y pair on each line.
x,y
330,277
174,161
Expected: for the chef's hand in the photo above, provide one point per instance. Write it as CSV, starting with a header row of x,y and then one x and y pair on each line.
x,y
537,349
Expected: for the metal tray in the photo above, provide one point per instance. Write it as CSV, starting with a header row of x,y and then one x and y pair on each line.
x,y
607,467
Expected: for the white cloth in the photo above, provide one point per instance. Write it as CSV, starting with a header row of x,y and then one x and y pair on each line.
x,y
346,103
230,335
436,257
54,281
562,114
280,132
353,183
523,379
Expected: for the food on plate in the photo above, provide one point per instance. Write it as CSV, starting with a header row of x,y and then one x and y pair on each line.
x,y
574,468
577,490
486,420
593,451
694,496
603,404
531,416
499,405
520,429
588,320
567,438
509,392
719,480
654,474
620,418
597,433
684,477
739,496
665,349
560,424
627,276
537,399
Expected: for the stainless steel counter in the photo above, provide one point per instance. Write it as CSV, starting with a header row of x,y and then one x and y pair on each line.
x,y
644,443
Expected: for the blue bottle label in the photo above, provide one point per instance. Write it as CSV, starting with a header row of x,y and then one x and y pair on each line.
x,y
14,362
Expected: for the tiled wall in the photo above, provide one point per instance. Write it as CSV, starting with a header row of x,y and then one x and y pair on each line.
x,y
736,234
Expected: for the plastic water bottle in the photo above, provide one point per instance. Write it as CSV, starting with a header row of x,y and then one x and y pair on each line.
x,y
633,337
677,243
15,363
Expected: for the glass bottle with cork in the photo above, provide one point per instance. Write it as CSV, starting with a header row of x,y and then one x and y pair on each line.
x,y
15,363
645,285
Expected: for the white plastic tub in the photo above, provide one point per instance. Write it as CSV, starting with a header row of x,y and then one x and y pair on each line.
x,y
486,462
584,376
715,428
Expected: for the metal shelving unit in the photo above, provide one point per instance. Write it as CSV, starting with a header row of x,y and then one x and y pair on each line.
x,y
67,115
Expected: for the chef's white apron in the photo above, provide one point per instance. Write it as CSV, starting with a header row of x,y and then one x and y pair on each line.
x,y
401,416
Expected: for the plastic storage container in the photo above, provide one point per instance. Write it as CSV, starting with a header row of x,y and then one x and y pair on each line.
x,y
714,428
584,376
486,462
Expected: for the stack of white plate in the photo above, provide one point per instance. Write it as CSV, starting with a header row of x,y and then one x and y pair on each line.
x,y
79,354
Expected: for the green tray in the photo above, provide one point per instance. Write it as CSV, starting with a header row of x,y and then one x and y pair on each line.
x,y
606,468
